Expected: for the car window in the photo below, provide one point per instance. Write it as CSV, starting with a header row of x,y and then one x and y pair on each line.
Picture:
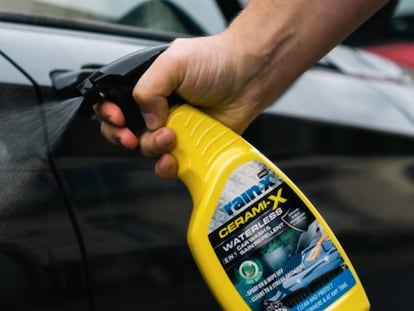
x,y
403,23
404,8
177,16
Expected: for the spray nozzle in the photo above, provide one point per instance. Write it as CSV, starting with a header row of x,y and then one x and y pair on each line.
x,y
116,81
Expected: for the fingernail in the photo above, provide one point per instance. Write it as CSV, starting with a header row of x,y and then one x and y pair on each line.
x,y
109,118
151,120
166,169
163,140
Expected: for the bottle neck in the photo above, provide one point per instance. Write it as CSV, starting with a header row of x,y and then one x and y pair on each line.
x,y
200,141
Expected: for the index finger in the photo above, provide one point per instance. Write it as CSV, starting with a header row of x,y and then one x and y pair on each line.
x,y
159,81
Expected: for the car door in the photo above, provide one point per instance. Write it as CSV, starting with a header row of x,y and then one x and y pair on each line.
x,y
131,225
41,264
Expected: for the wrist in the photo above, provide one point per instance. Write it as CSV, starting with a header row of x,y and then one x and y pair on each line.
x,y
261,41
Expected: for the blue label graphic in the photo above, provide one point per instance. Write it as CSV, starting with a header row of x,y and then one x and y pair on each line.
x,y
273,249
327,294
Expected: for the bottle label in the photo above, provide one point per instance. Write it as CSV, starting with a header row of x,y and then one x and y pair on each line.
x,y
272,248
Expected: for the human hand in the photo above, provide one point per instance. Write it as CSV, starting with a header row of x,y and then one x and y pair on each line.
x,y
234,75
203,72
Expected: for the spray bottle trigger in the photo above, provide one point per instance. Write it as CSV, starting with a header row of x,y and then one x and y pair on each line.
x,y
122,96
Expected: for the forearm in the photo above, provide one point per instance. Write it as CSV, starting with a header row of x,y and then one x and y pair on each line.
x,y
283,38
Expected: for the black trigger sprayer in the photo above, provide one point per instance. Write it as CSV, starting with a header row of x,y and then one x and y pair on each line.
x,y
116,81
244,208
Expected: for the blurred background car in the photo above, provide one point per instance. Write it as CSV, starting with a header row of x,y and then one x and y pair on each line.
x,y
87,225
390,33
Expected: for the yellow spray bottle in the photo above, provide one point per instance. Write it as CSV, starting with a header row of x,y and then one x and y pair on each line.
x,y
258,241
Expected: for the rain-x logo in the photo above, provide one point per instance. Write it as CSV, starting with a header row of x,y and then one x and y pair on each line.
x,y
249,195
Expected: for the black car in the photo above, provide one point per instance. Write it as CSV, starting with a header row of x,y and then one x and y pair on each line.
x,y
85,225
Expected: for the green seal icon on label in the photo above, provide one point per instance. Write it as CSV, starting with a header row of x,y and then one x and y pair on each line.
x,y
250,271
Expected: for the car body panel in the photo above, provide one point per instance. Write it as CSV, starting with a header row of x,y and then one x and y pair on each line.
x,y
39,251
362,90
113,192
68,48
